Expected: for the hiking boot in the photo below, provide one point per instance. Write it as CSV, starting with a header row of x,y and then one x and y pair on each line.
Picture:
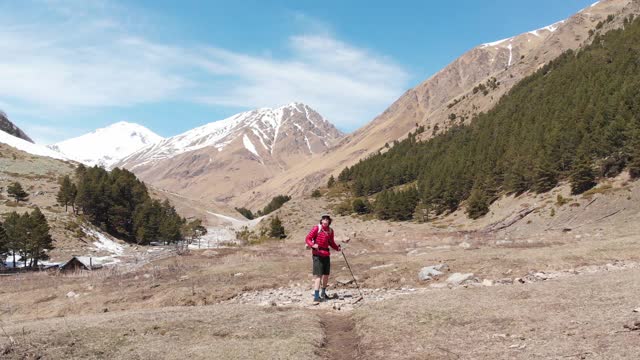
x,y
326,296
317,300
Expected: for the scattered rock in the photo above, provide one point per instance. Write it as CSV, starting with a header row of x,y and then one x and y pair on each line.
x,y
430,272
238,274
634,327
487,282
458,278
344,282
72,294
636,310
146,276
540,276
465,245
504,281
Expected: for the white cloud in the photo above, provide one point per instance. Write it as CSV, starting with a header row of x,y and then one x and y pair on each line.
x,y
87,57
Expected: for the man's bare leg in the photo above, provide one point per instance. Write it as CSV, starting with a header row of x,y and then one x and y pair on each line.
x,y
325,282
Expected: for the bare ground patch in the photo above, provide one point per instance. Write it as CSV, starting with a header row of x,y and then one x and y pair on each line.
x,y
580,317
341,339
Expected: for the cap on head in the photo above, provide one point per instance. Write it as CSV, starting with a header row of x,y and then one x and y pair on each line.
x,y
326,216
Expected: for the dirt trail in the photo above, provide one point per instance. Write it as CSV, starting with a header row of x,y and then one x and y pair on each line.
x,y
341,340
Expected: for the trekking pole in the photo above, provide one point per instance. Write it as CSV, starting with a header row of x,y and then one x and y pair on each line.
x,y
354,277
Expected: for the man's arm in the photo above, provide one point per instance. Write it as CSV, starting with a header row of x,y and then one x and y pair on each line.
x,y
312,234
332,243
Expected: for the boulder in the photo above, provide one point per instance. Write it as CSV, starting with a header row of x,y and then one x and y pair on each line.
x,y
458,278
430,272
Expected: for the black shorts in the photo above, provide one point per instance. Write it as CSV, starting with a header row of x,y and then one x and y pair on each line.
x,y
321,265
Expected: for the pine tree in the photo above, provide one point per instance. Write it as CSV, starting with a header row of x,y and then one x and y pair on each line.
x,y
331,182
633,149
4,244
477,204
359,206
39,239
24,245
193,230
545,177
246,213
65,195
634,164
276,229
16,232
582,176
73,192
517,182
16,191
358,187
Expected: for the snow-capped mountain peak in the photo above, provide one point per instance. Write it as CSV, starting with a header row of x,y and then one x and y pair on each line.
x,y
106,146
259,130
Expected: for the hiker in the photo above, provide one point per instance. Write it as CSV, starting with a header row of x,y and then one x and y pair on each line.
x,y
320,238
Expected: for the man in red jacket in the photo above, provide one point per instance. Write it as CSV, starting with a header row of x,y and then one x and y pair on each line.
x,y
320,238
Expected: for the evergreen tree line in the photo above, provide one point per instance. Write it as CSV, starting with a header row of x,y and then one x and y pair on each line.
x,y
576,119
25,235
119,203
275,204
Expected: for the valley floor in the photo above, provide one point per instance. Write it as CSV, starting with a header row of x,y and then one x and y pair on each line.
x,y
563,298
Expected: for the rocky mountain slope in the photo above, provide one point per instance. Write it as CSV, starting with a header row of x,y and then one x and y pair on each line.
x,y
106,146
223,159
10,128
471,84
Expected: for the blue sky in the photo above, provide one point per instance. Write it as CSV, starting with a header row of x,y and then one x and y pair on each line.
x,y
70,66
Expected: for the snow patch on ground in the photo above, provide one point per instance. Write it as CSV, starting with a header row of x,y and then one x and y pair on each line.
x,y
255,132
249,145
216,237
8,261
306,139
495,43
31,148
104,243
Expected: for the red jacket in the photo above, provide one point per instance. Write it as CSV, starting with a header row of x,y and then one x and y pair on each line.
x,y
323,238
